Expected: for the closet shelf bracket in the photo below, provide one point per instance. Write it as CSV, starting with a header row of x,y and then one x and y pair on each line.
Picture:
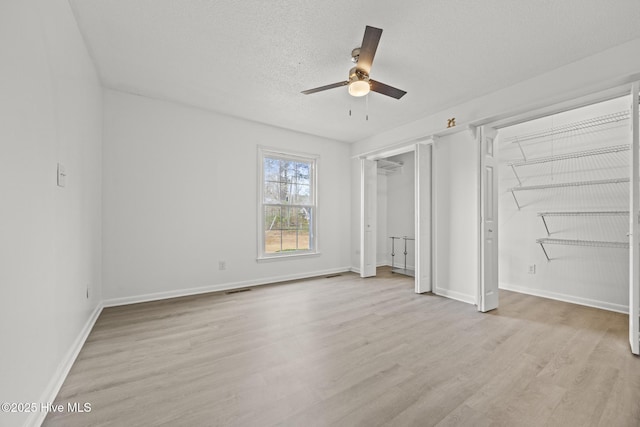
x,y
542,215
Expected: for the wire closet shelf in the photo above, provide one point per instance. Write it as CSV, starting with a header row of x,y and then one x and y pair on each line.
x,y
603,122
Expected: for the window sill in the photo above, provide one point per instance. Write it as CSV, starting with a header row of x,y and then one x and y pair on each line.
x,y
287,256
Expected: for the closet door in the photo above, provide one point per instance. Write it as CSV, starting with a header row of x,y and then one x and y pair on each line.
x,y
488,292
423,218
634,238
368,223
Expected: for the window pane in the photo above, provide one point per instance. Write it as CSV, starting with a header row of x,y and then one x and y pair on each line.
x,y
303,173
289,240
272,218
302,194
272,229
304,221
290,219
290,171
271,192
271,186
271,168
283,195
293,198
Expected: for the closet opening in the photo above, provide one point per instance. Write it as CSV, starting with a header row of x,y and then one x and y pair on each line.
x,y
564,205
396,214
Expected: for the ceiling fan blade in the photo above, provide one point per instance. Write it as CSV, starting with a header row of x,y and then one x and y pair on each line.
x,y
321,88
368,49
386,89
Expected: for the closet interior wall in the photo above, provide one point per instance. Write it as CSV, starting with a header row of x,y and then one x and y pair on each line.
x,y
396,209
563,207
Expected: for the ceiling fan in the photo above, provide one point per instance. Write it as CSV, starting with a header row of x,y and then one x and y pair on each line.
x,y
359,82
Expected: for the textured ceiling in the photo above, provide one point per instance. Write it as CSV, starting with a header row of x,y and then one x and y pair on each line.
x,y
252,58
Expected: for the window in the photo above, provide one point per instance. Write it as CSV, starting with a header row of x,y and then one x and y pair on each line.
x,y
287,208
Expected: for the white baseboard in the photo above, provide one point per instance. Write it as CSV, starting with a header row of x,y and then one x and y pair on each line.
x,y
49,395
619,308
357,269
114,302
381,262
409,267
458,296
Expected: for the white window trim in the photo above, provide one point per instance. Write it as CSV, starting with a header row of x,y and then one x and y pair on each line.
x,y
266,151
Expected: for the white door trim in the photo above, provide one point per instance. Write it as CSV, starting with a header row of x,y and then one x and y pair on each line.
x,y
423,215
368,199
634,237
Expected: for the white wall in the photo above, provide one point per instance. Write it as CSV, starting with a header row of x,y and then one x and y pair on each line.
x,y
593,276
456,165
401,208
50,105
180,189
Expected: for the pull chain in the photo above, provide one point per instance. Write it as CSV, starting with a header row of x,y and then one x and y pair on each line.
x,y
367,106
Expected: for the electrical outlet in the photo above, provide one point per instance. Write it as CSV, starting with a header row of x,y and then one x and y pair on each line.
x,y
222,265
532,269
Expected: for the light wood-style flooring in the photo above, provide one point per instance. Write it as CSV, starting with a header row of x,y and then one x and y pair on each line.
x,y
346,351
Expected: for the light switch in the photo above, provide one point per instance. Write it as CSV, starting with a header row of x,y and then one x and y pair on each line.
x,y
62,176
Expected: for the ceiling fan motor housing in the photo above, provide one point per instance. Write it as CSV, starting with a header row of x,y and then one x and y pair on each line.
x,y
355,74
359,84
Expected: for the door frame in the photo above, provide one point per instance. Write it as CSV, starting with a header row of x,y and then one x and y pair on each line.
x,y
419,285
423,208
368,218
634,217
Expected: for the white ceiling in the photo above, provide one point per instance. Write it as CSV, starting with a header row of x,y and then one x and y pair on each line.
x,y
252,58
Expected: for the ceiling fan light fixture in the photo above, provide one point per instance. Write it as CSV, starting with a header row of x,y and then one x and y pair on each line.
x,y
359,84
359,88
